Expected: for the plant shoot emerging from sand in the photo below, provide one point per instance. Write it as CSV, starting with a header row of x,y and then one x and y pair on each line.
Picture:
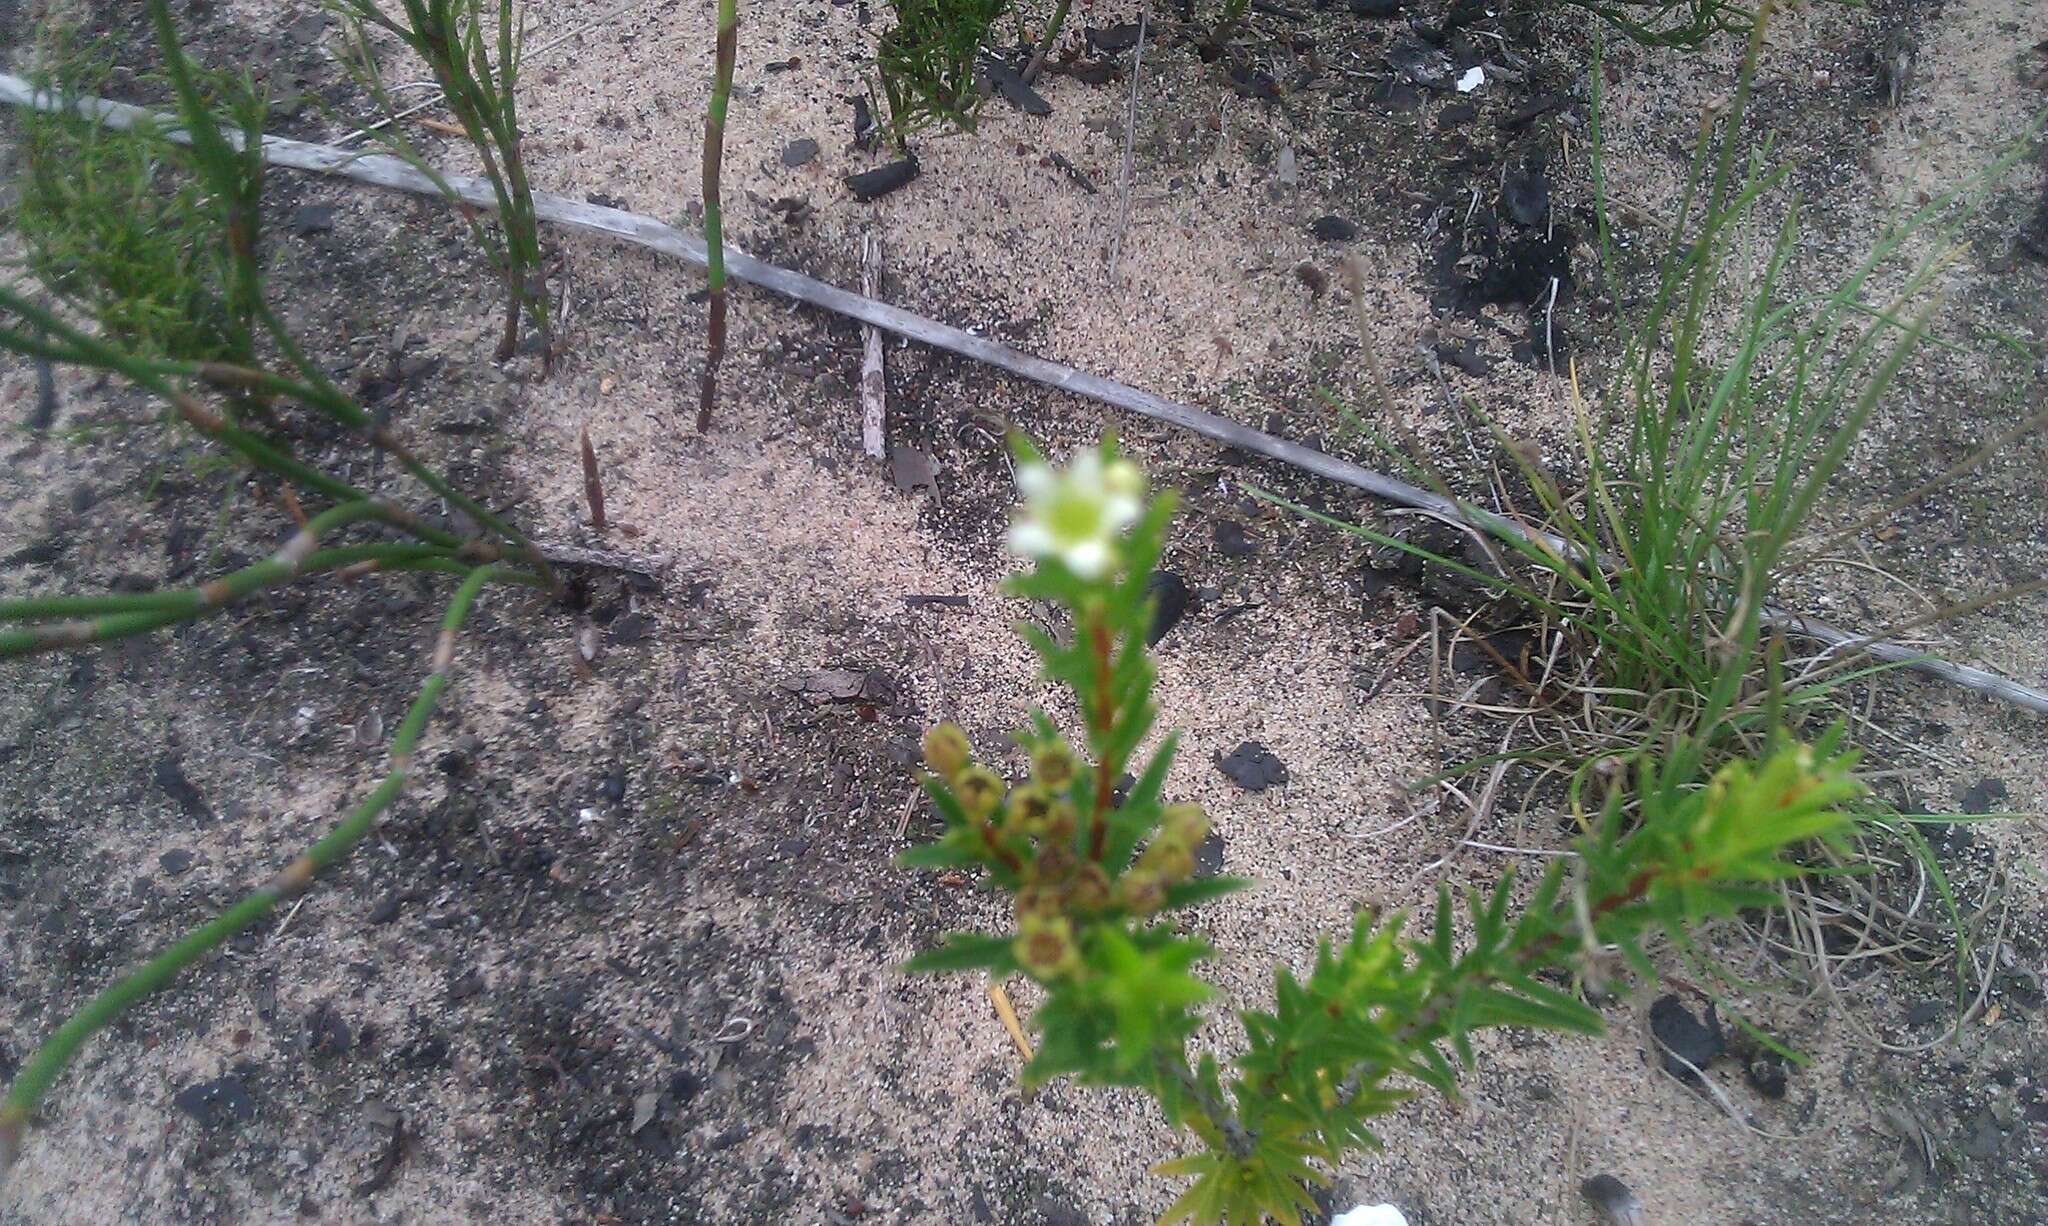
x,y
474,49
714,210
1733,420
1101,879
927,60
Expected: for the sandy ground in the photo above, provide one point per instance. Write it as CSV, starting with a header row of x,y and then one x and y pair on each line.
x,y
735,898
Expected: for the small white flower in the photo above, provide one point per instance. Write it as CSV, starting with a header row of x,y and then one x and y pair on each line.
x,y
1371,1215
1076,515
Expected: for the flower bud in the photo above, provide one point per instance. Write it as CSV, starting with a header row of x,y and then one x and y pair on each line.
x,y
1053,765
1140,892
1045,946
1030,806
1184,826
1089,889
1169,860
1121,479
979,791
946,750
1055,863
1036,899
1060,822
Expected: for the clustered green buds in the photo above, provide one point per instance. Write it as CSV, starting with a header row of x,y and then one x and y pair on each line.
x,y
946,751
980,790
1168,860
1052,764
1045,946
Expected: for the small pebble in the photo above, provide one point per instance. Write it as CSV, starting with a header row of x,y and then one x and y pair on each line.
x,y
1614,1200
1333,229
1232,541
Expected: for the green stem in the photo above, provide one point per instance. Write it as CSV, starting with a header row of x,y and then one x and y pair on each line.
x,y
101,619
714,226
1045,42
52,338
320,392
49,1060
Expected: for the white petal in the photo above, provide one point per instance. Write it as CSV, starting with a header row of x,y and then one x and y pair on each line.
x,y
1123,479
1086,471
1029,537
1033,480
1087,559
1370,1215
1120,511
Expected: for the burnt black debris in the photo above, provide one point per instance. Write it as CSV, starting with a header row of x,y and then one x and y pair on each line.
x,y
1527,197
217,1104
1170,592
1680,1034
1333,229
170,776
1987,795
1617,1204
1253,767
1232,541
1114,38
1766,1073
874,184
1011,85
311,219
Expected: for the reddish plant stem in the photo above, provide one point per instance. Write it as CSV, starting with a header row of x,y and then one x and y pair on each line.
x,y
714,227
593,486
1003,854
1103,720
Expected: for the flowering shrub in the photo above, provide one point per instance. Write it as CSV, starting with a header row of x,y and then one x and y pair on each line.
x,y
1101,880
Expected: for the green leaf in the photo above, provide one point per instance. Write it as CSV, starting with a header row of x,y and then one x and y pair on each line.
x,y
943,800
966,951
937,855
1203,889
1555,1011
1139,813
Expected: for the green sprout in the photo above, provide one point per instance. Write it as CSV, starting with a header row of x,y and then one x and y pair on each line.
x,y
475,49
714,210
926,62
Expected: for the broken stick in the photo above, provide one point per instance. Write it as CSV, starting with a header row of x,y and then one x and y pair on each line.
x,y
874,394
